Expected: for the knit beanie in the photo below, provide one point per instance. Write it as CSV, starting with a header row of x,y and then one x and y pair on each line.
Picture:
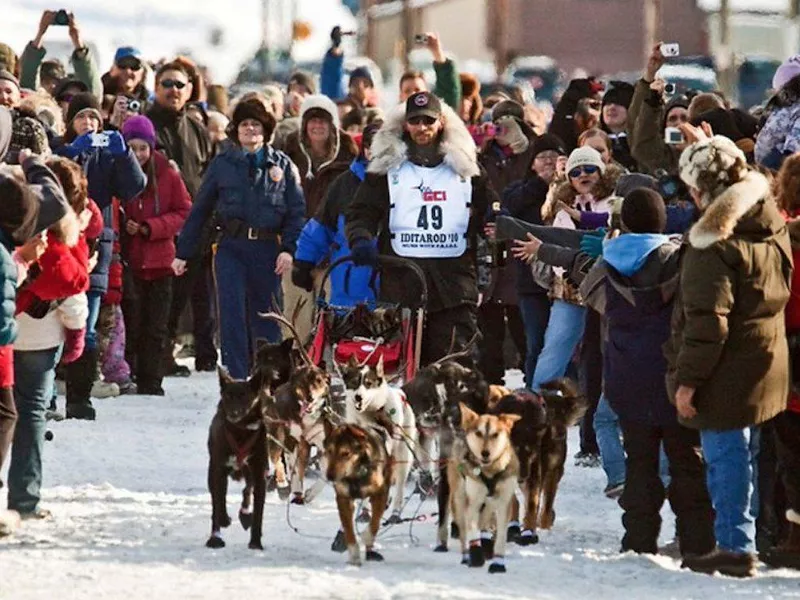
x,y
548,142
304,79
8,76
80,102
705,164
621,94
643,211
631,181
139,127
361,73
252,108
585,155
786,72
679,101
508,108
29,133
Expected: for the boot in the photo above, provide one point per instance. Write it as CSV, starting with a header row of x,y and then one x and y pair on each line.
x,y
80,379
787,553
733,564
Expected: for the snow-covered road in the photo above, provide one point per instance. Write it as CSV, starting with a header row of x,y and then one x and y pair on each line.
x,y
132,514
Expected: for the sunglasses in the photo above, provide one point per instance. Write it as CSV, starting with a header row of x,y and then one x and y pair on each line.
x,y
130,63
421,120
585,169
173,83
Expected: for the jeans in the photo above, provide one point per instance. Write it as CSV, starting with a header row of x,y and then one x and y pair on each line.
x,y
608,433
246,285
34,374
564,332
93,298
730,457
535,312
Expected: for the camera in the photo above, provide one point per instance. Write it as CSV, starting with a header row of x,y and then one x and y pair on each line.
x,y
670,89
673,136
421,39
99,140
671,187
134,106
670,50
61,18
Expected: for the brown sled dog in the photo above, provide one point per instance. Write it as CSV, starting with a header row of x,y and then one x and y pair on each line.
x,y
237,447
482,474
359,467
540,441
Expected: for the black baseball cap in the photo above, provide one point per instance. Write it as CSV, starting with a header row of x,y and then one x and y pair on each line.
x,y
423,104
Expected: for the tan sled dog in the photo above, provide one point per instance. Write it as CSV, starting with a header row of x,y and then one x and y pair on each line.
x,y
482,473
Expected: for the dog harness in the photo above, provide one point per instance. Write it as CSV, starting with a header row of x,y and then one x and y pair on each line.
x,y
429,211
477,473
242,451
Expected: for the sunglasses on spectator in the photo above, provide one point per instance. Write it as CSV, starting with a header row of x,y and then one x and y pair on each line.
x,y
130,63
585,169
421,120
173,83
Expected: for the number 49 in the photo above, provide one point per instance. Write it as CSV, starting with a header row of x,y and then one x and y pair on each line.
x,y
435,217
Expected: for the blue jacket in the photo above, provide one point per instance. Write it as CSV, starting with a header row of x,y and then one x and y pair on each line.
x,y
273,200
8,295
331,78
324,237
109,175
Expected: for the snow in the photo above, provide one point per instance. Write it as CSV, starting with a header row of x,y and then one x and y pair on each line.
x,y
132,513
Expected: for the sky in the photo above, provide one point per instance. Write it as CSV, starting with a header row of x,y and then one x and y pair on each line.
x,y
162,27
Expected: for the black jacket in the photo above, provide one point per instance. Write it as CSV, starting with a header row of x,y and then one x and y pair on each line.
x,y
185,141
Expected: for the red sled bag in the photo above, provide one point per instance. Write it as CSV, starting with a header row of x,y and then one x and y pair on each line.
x,y
367,350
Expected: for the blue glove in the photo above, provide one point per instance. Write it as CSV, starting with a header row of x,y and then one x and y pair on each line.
x,y
364,253
592,243
82,143
116,143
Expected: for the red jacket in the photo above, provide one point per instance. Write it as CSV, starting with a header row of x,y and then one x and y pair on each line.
x,y
63,272
163,211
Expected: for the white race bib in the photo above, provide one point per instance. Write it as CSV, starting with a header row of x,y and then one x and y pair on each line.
x,y
430,210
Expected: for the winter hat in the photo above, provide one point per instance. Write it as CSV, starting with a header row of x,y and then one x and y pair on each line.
x,y
631,181
585,155
643,211
28,132
786,72
6,128
679,101
65,84
52,70
319,103
471,89
722,123
548,142
19,209
81,102
8,76
252,108
620,94
423,104
508,108
304,79
706,165
8,58
361,73
139,127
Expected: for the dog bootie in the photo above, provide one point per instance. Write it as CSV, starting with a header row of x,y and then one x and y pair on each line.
x,y
476,558
215,541
339,545
374,556
487,544
498,565
513,531
527,538
246,519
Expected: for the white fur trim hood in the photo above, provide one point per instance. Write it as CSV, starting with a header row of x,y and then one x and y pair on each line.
x,y
720,218
390,150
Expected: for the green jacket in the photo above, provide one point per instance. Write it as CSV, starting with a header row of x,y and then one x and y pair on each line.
x,y
728,333
448,83
82,61
646,132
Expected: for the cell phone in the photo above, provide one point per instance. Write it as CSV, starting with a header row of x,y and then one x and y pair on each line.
x,y
61,18
670,50
669,89
421,39
673,136
99,140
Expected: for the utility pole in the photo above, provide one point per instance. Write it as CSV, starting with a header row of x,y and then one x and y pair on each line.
x,y
725,63
408,32
652,26
501,37
263,52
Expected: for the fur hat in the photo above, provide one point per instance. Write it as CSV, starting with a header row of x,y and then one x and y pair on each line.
x,y
471,89
252,108
139,127
643,211
320,102
786,72
585,155
81,102
706,165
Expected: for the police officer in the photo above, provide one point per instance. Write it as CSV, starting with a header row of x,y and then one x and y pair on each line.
x,y
424,198
255,193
